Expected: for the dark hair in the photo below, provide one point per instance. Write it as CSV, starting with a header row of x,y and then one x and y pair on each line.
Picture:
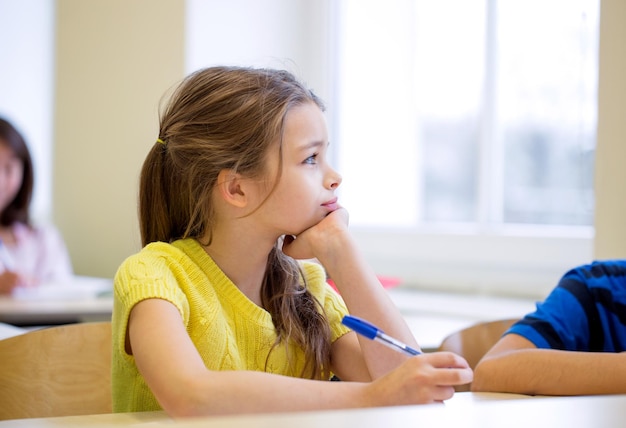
x,y
18,209
228,118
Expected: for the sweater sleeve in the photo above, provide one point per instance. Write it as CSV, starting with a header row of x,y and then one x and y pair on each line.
x,y
583,312
145,275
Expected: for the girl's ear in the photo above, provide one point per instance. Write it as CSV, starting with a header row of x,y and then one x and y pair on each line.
x,y
230,187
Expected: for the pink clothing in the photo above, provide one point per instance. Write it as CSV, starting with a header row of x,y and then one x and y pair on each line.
x,y
39,254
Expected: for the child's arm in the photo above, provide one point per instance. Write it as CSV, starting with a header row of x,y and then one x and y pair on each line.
x,y
8,281
515,365
176,374
331,243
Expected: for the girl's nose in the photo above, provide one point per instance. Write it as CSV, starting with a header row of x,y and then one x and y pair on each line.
x,y
333,179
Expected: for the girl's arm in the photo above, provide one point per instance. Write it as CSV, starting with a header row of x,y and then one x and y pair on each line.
x,y
175,373
9,281
515,365
331,243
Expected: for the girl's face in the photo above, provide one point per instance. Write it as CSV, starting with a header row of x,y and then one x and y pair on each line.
x,y
305,192
11,172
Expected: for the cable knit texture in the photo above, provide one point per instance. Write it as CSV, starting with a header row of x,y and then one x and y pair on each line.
x,y
229,331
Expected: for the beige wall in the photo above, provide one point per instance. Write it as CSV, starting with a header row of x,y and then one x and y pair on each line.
x,y
610,175
115,59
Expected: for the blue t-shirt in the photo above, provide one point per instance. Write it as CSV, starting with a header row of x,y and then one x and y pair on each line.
x,y
585,312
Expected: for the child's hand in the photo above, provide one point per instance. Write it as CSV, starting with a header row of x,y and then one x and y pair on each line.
x,y
8,281
422,379
318,239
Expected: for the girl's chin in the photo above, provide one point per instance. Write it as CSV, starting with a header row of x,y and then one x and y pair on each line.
x,y
304,226
298,231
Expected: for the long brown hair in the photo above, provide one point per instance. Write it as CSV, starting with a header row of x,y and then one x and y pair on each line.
x,y
228,118
19,208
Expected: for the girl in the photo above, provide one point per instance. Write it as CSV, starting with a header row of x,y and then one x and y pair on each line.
x,y
29,255
215,315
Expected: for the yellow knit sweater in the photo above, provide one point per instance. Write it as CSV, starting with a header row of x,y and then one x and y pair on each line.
x,y
229,331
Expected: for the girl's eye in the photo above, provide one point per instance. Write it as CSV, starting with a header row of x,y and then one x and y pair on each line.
x,y
311,160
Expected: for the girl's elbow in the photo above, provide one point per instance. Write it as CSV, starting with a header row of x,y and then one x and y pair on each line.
x,y
186,401
181,406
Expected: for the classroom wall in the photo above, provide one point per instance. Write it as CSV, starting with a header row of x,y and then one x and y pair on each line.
x,y
115,58
26,88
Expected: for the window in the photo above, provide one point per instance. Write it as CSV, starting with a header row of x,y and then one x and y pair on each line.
x,y
465,132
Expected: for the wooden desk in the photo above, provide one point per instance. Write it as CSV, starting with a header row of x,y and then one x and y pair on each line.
x,y
464,410
85,299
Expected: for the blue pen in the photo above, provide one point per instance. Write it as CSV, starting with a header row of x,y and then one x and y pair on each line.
x,y
372,332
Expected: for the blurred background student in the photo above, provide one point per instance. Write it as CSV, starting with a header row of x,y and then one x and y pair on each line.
x,y
29,254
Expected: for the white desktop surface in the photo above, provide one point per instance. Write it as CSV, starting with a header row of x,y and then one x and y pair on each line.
x,y
82,299
465,409
8,330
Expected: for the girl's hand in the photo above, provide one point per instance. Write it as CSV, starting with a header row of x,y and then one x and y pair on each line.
x,y
320,238
422,379
8,281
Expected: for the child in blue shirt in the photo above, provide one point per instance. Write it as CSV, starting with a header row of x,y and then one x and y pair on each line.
x,y
572,344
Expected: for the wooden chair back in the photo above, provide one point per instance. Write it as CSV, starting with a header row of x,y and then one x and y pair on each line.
x,y
56,371
473,342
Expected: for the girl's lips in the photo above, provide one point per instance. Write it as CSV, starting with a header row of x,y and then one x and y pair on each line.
x,y
332,204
